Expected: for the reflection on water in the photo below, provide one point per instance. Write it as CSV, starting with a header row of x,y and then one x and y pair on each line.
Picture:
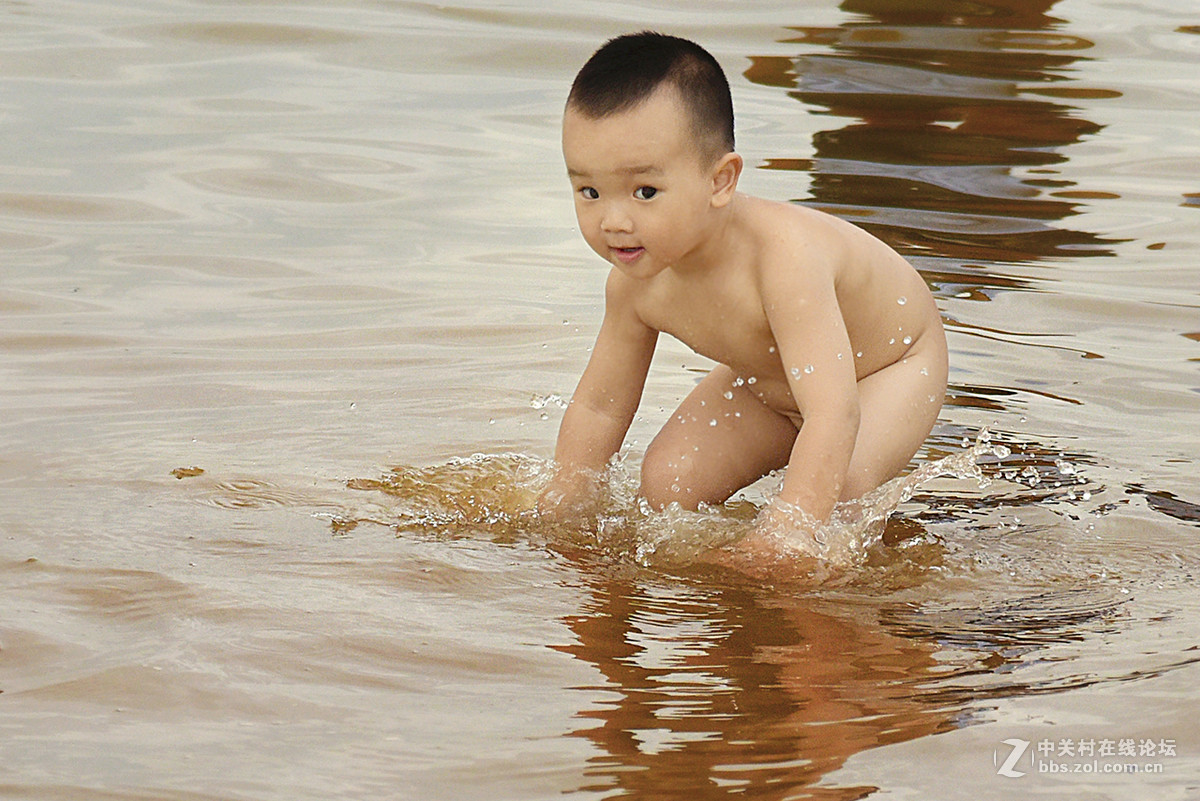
x,y
709,691
725,691
951,152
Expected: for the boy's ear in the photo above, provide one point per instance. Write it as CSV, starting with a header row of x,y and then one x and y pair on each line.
x,y
725,179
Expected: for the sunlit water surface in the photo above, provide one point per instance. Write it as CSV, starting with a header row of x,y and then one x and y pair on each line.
x,y
291,303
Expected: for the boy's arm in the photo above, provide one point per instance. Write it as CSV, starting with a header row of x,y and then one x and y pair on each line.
x,y
806,321
607,397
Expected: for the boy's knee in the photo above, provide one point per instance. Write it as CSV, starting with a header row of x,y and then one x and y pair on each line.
x,y
666,479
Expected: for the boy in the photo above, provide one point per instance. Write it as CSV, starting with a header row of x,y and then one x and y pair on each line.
x,y
832,357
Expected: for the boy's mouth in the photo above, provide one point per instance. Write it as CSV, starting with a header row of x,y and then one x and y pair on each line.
x,y
628,255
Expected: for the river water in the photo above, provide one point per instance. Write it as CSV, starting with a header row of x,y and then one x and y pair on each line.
x,y
275,272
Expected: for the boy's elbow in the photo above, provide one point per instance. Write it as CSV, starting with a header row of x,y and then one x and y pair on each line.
x,y
601,408
852,411
845,413
841,420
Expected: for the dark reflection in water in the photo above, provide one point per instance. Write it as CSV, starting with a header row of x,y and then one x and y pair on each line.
x,y
719,691
957,130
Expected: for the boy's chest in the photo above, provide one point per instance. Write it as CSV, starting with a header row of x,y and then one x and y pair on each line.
x,y
726,325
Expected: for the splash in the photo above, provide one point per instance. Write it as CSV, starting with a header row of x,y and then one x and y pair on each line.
x,y
798,546
496,496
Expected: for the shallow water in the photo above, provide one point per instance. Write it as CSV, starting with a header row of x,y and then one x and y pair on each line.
x,y
273,272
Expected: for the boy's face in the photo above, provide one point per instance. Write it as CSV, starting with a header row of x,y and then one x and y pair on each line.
x,y
642,188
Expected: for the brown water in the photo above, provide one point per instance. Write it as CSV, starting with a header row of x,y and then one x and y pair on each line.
x,y
273,271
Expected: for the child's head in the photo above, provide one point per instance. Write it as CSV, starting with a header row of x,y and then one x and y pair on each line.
x,y
627,70
648,144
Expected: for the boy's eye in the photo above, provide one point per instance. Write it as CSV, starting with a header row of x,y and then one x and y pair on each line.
x,y
645,192
589,193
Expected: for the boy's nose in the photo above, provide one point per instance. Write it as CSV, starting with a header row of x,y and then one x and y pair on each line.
x,y
615,220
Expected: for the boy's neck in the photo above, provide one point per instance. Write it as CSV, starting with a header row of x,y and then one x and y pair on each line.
x,y
718,249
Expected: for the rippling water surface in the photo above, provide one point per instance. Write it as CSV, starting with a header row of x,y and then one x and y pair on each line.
x,y
274,272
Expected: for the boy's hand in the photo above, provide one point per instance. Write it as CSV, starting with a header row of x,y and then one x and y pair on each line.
x,y
786,530
790,531
776,549
788,545
571,497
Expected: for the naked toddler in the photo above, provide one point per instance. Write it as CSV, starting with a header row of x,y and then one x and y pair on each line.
x,y
831,353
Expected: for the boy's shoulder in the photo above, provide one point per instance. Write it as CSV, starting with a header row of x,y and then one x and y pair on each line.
x,y
782,222
787,234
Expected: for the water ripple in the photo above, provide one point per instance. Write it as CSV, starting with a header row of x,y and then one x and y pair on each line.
x,y
81,208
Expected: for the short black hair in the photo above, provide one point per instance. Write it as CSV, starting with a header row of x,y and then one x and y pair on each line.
x,y
628,69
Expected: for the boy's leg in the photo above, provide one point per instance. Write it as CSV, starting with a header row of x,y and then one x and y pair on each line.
x,y
714,445
899,406
720,439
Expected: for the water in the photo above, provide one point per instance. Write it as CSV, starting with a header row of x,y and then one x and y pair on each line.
x,y
272,273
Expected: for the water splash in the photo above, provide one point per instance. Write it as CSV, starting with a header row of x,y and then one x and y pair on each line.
x,y
496,496
490,494
796,545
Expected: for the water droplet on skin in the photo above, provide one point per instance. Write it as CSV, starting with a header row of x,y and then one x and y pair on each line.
x,y
739,381
840,355
795,372
808,368
712,422
858,355
907,340
751,380
728,395
771,349
924,371
892,341
901,300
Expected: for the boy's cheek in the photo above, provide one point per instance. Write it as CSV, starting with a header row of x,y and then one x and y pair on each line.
x,y
598,247
592,241
582,215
